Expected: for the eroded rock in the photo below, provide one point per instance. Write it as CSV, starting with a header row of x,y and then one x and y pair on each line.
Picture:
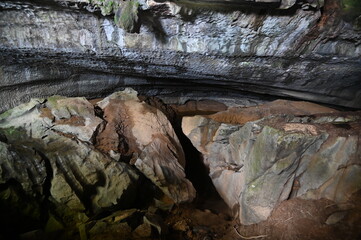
x,y
177,52
43,153
79,156
136,128
199,107
258,164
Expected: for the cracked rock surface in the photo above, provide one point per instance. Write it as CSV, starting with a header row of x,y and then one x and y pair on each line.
x,y
306,151
179,53
52,149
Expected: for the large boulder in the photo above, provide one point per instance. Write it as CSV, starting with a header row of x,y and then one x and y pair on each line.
x,y
144,134
46,147
258,164
83,158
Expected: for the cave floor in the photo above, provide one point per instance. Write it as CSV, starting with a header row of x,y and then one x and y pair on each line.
x,y
293,219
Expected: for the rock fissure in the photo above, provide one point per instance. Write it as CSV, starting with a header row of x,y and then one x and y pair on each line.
x,y
259,177
202,143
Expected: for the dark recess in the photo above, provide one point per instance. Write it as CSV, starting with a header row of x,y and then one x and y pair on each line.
x,y
196,171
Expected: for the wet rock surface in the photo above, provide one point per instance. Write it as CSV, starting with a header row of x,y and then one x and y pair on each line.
x,y
258,164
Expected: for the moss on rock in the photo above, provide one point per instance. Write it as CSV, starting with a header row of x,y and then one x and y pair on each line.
x,y
126,16
352,12
125,12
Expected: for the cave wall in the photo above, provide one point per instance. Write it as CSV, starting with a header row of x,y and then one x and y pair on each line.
x,y
48,48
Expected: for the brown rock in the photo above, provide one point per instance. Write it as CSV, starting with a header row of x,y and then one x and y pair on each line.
x,y
142,231
202,107
181,226
144,134
243,115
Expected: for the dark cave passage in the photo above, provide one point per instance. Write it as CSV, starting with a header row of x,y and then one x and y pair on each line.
x,y
196,171
198,174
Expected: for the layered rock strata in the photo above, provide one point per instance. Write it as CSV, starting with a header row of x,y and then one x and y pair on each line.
x,y
313,55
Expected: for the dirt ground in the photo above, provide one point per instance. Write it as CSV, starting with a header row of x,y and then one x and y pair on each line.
x,y
295,219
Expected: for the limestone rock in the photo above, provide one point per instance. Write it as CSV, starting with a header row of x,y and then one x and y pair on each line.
x,y
74,116
258,164
239,115
78,155
144,133
48,49
199,107
45,146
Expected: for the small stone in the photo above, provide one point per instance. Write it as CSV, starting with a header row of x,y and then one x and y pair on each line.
x,y
181,226
53,225
336,217
120,215
142,231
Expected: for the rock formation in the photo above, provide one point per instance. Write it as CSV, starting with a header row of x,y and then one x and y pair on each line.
x,y
106,166
45,155
61,150
136,128
179,53
270,154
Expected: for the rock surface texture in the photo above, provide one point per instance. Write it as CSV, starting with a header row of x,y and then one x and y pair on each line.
x,y
305,151
58,47
40,153
136,128
54,148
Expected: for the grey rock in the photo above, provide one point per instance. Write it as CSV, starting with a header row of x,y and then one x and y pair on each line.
x,y
257,165
43,157
74,116
80,54
58,146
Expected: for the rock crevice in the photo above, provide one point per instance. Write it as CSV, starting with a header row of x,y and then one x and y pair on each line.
x,y
52,148
257,164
